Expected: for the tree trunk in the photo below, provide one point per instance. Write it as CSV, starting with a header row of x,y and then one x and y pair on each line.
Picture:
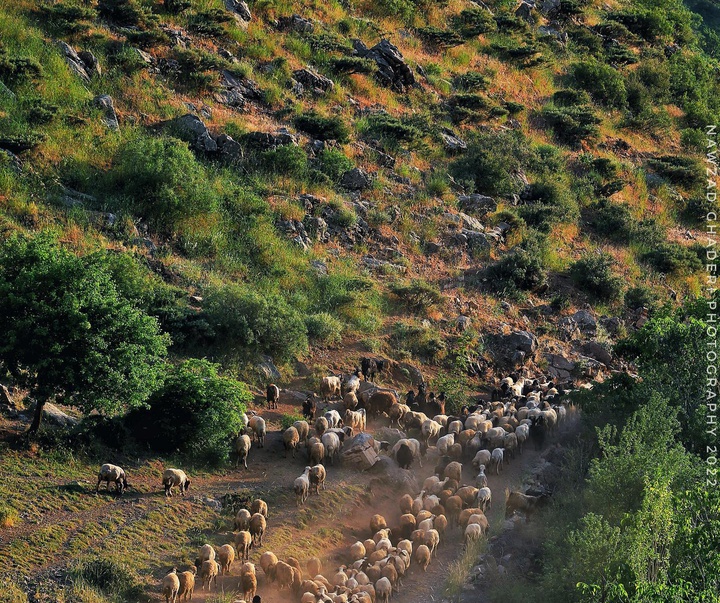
x,y
39,406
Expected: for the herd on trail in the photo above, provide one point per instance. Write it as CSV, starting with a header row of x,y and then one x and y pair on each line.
x,y
487,435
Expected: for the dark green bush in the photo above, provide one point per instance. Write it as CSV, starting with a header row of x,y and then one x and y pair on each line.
x,y
196,412
177,6
209,23
16,69
197,68
422,342
353,65
323,128
324,328
442,38
640,296
106,575
129,13
67,18
470,81
287,160
602,82
145,38
161,181
651,25
571,125
287,420
685,171
417,294
613,221
334,163
593,274
472,22
547,202
124,57
391,129
673,258
519,270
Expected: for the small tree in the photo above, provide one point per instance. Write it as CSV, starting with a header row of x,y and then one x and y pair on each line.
x,y
69,334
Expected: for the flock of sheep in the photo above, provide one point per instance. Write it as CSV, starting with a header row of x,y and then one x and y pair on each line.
x,y
485,435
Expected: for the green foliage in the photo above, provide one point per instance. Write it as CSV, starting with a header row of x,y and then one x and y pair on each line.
x,y
197,412
323,328
69,333
472,22
520,270
547,202
348,65
129,13
209,22
287,420
197,69
175,7
323,128
420,341
685,171
106,575
593,274
442,38
640,296
287,160
417,295
604,84
674,258
14,70
68,17
334,163
391,129
161,181
470,81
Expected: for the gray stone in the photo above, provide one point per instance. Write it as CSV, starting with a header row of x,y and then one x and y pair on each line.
x,y
477,204
147,58
191,128
74,61
514,349
296,23
313,80
389,473
268,370
320,267
230,150
375,264
415,374
560,362
266,141
54,416
560,36
471,223
356,179
595,350
525,12
393,71
476,240
452,142
240,11
92,66
585,321
109,117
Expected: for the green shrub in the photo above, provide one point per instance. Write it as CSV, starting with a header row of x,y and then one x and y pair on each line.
x,y
613,221
593,274
177,6
420,341
324,328
547,202
442,38
68,18
195,412
417,294
571,125
106,575
8,516
161,181
209,23
693,139
14,69
323,128
287,160
391,129
604,84
287,421
471,22
519,270
350,65
197,69
470,81
334,163
673,258
685,171
129,13
650,25
124,57
640,296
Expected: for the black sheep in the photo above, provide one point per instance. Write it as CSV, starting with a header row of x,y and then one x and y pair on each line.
x,y
404,456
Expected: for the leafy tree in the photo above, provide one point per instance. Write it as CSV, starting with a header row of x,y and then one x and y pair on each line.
x,y
69,334
197,411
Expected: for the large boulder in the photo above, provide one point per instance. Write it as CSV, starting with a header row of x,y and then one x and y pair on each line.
x,y
267,370
393,71
452,142
236,92
360,452
356,179
267,141
389,473
109,117
192,129
52,415
595,350
316,82
239,10
514,349
74,61
477,204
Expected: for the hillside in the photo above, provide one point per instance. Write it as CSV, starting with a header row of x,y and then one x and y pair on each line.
x,y
200,197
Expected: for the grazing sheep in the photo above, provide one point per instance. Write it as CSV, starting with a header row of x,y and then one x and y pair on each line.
x,y
171,586
377,523
422,556
481,478
291,439
321,426
309,407
356,419
175,477
259,506
112,473
257,424
303,429
243,544
302,487
187,584
209,573
272,395
257,528
357,551
226,556
517,501
453,471
330,387
248,581
496,459
383,590
473,532
242,448
484,498
242,520
268,561
317,479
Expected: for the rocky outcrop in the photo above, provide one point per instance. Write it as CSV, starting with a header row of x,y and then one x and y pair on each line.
x,y
267,141
109,117
295,23
77,65
356,179
393,71
477,204
237,92
239,10
514,349
316,82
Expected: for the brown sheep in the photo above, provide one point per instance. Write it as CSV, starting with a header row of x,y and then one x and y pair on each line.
x,y
258,525
466,514
390,572
464,437
422,556
407,525
171,586
268,561
317,479
248,581
286,575
243,544
226,556
321,426
517,501
242,520
314,566
377,522
317,453
453,507
209,573
468,494
405,504
350,401
187,584
381,402
259,506
440,524
454,471
291,440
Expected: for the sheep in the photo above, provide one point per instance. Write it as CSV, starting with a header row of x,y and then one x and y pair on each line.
x,y
268,561
371,367
445,442
302,487
317,453
317,479
259,506
405,503
430,502
332,444
242,520
481,520
390,572
414,445
257,528
466,514
453,471
510,444
440,524
243,544
350,401
473,532
257,424
397,413
208,573
248,581
356,419
405,456
432,539
321,426
381,402
187,584
314,566
405,545
422,556
112,473
430,430
171,586
407,524
309,407
272,395
303,429
467,494
207,552
242,448
357,551
333,418
455,427
517,501
377,523
291,439
425,524
226,556
522,432
484,498
481,478
350,383
286,575
496,459
175,477
383,590
482,458
330,388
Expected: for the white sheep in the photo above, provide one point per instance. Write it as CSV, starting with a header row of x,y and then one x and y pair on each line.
x,y
430,429
302,487
497,459
482,458
481,479
242,448
484,498
171,586
473,532
291,440
175,477
444,443
522,432
332,444
112,473
383,590
356,419
209,573
257,424
422,556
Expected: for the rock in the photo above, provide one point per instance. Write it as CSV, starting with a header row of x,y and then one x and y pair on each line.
x,y
320,267
389,473
214,504
586,322
191,128
612,324
314,81
452,142
110,119
476,240
356,179
410,370
463,323
54,416
74,61
471,223
296,23
6,398
317,229
265,141
389,434
514,349
145,57
240,11
293,397
361,453
229,149
393,71
595,350
477,204
525,12
72,198
375,264
560,362
432,248
268,370
549,6
92,66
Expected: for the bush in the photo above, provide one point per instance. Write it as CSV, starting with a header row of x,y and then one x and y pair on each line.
x,y
334,163
68,19
197,69
604,84
8,516
324,328
442,38
685,171
129,13
209,23
613,221
17,69
471,22
673,258
593,274
323,128
470,82
421,342
547,202
196,412
417,294
392,129
287,160
519,270
650,25
288,419
106,575
571,125
640,296
160,181
350,65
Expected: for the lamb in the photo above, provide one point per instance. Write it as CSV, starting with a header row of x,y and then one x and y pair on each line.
x,y
259,506
422,556
383,590
440,524
317,453
484,498
302,487
317,479
248,581
226,555
481,479
272,395
257,424
407,524
333,419
496,459
517,501
356,419
112,473
466,514
243,544
175,477
171,586
208,573
242,520
268,561
242,448
332,444
291,439
330,387
258,525
187,584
